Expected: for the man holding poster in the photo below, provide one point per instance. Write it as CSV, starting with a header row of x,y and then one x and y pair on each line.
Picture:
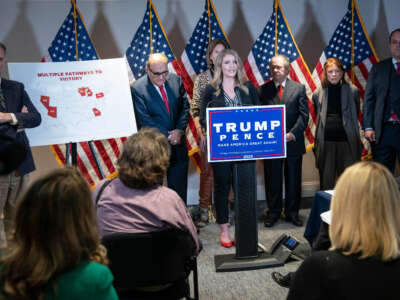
x,y
281,90
16,113
161,102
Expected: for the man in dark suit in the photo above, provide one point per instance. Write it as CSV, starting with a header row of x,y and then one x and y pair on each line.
x,y
160,101
16,113
381,111
281,90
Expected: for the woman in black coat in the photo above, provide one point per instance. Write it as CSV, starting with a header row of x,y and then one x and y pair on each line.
x,y
337,137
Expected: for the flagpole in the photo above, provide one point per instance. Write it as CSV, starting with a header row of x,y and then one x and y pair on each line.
x,y
352,42
151,28
209,21
276,2
73,2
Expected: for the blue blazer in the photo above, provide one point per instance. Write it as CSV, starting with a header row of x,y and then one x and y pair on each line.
x,y
15,98
150,110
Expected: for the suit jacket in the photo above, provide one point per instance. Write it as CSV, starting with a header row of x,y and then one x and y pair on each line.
x,y
150,109
210,99
295,100
350,103
376,93
15,98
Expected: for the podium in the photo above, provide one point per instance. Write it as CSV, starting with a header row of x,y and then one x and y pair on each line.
x,y
247,256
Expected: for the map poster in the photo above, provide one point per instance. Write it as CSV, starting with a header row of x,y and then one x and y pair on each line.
x,y
246,133
78,101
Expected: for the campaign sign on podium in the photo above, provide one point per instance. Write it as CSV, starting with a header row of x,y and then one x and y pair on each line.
x,y
246,133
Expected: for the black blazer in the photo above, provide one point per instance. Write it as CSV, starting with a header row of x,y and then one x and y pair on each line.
x,y
375,96
15,98
295,100
210,99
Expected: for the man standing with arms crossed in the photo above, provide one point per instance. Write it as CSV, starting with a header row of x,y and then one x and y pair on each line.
x,y
16,113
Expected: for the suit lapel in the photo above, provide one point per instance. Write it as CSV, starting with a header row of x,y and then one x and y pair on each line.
x,y
8,95
171,99
287,91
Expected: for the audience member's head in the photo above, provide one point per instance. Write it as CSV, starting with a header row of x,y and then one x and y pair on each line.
x,y
55,229
366,212
145,159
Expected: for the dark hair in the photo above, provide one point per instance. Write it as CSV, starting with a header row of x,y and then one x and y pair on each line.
x,y
3,47
55,229
332,61
391,34
144,159
213,43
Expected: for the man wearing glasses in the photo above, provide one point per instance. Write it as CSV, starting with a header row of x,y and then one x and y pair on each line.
x,y
161,102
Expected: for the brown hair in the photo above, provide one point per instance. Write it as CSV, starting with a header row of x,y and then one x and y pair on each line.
x,y
366,212
144,159
332,61
213,43
55,229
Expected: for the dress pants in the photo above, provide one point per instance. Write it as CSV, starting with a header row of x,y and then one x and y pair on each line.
x,y
337,157
273,175
206,181
11,187
388,148
223,172
177,173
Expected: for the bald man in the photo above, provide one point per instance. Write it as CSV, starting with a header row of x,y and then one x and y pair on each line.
x,y
161,102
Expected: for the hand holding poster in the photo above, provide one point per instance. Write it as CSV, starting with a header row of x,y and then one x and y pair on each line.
x,y
246,133
78,101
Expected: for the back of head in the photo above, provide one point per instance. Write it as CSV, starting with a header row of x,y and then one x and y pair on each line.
x,y
144,159
55,229
366,212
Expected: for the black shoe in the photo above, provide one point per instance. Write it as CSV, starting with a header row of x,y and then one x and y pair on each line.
x,y
282,280
295,221
270,221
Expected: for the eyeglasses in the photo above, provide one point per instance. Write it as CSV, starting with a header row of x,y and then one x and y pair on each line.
x,y
165,73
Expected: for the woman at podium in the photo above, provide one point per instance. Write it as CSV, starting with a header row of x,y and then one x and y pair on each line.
x,y
228,88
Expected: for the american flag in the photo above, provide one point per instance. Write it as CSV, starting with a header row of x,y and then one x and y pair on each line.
x,y
193,61
257,62
341,45
151,38
72,42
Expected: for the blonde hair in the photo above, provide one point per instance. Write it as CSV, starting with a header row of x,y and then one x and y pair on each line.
x,y
366,212
240,77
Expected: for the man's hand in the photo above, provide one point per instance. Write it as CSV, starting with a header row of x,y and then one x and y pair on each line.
x,y
5,118
24,109
289,137
370,135
175,136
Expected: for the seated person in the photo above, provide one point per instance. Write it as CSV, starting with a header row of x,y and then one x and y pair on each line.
x,y
363,262
56,251
137,201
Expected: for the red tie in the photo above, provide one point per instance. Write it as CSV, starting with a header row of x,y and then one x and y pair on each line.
x,y
164,97
280,91
398,68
